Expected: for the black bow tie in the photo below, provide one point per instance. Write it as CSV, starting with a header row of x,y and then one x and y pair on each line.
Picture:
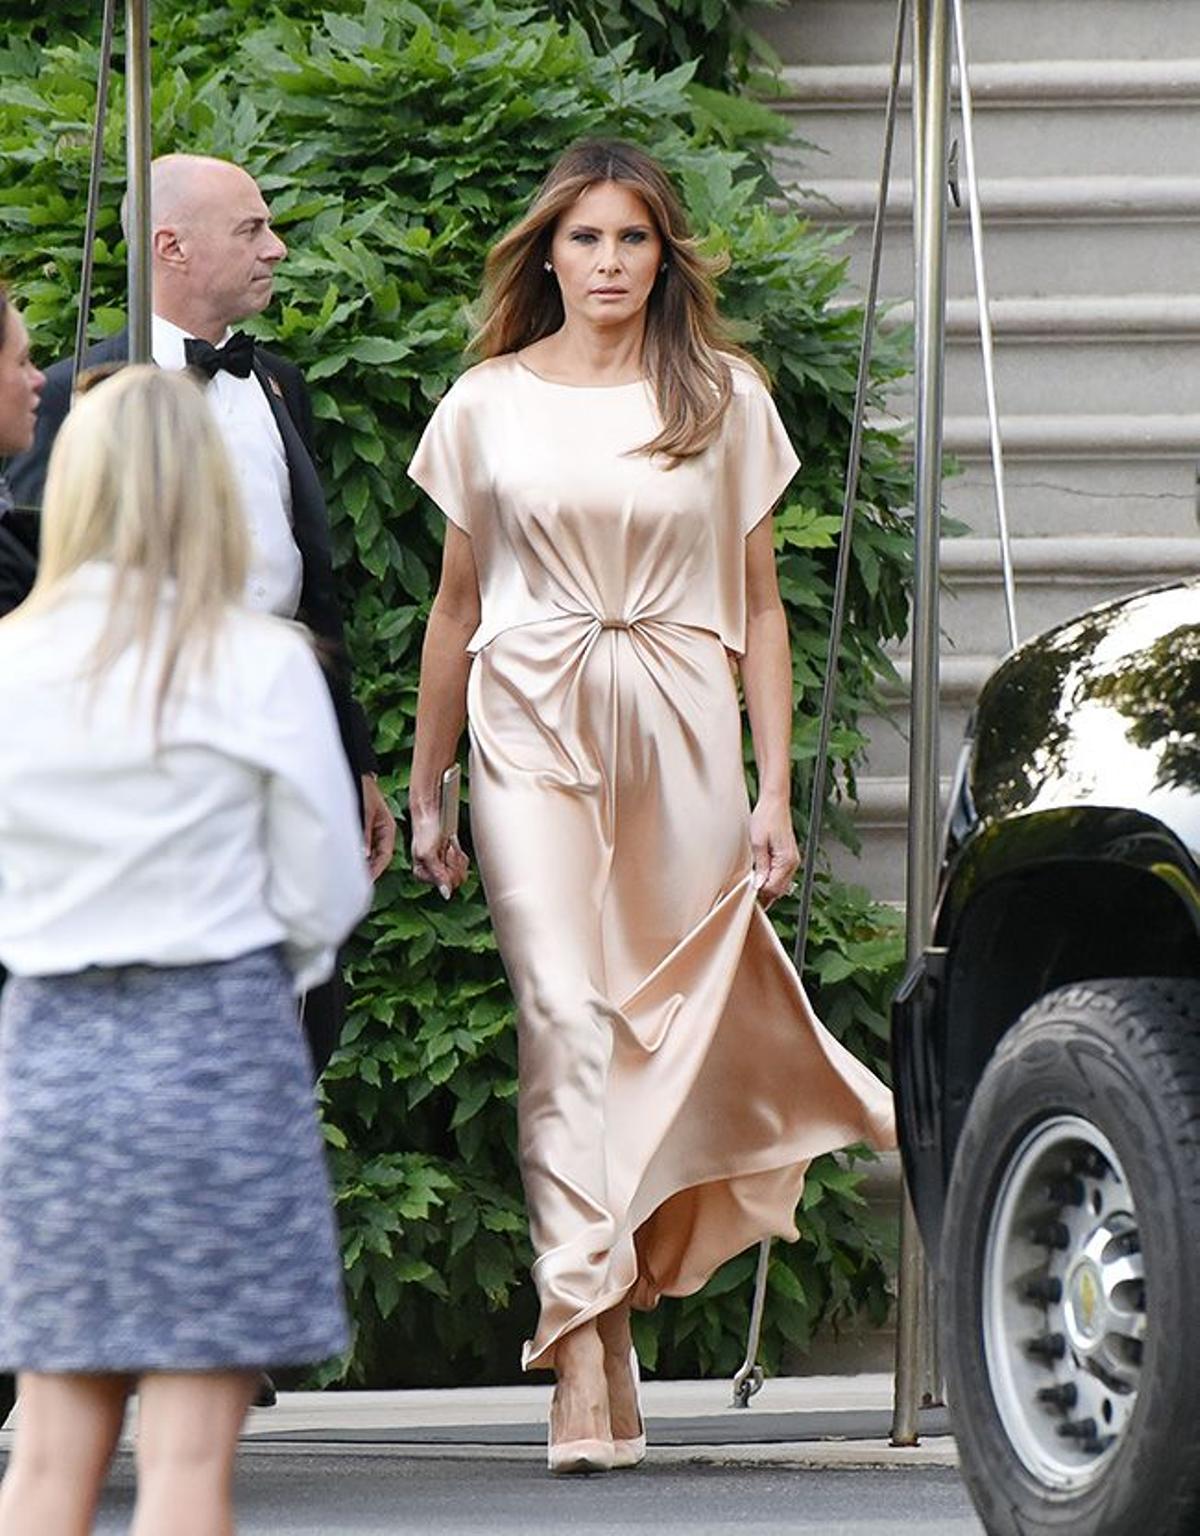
x,y
236,356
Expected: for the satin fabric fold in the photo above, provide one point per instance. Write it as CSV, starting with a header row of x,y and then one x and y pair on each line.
x,y
674,1082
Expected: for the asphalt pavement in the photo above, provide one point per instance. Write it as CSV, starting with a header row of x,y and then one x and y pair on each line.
x,y
811,1455
288,1493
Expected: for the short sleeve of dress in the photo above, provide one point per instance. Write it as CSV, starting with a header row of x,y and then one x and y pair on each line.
x,y
766,459
441,464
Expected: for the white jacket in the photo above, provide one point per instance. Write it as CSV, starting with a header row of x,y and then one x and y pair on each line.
x,y
236,828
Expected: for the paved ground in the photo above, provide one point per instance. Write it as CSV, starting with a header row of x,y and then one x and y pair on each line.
x,y
810,1456
285,1493
826,1419
812,1420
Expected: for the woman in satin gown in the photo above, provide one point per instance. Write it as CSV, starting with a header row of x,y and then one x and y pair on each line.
x,y
607,474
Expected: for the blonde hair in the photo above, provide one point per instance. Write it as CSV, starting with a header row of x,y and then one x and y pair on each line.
x,y
687,344
139,477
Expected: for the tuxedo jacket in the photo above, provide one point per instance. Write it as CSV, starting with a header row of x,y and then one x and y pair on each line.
x,y
283,385
18,557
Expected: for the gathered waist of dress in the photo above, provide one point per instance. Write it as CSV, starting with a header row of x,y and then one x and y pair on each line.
x,y
586,620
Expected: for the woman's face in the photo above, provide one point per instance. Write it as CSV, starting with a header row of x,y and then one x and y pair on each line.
x,y
20,387
606,254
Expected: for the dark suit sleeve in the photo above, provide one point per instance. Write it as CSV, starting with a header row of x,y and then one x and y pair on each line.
x,y
18,566
320,609
27,472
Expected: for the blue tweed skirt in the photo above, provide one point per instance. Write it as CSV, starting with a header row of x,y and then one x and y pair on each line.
x,y
164,1199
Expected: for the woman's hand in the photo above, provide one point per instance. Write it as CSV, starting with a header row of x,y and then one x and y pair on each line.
x,y
776,856
379,826
437,860
441,711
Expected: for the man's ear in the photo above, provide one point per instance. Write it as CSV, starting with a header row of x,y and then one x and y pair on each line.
x,y
167,248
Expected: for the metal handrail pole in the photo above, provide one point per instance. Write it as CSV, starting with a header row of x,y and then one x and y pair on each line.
x,y
931,103
986,346
846,537
748,1379
137,148
108,27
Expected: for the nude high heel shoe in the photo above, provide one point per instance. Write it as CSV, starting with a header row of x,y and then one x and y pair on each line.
x,y
580,1456
628,1453
565,1457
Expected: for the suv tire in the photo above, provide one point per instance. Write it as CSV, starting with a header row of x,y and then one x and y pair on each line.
x,y
1070,1268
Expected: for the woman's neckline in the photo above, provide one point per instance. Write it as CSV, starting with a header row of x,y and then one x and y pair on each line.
x,y
562,383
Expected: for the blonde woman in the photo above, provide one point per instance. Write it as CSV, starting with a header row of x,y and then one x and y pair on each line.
x,y
179,857
608,475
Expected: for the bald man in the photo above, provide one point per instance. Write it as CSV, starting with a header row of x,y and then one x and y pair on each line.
x,y
214,256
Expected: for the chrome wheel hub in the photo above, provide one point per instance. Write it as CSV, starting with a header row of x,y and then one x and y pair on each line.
x,y
1064,1303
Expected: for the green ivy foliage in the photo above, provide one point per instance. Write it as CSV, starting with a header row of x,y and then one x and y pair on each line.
x,y
712,35
395,141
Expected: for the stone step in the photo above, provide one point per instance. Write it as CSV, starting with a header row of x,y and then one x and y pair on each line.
x,y
1070,117
961,679
882,822
1056,578
1088,355
1069,374
1146,487
861,31
1097,475
1103,497
1119,439
1045,237
1135,317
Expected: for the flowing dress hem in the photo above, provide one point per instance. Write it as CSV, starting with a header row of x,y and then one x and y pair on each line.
x,y
538,1355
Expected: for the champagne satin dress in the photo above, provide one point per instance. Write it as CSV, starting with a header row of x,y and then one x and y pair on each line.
x,y
674,1082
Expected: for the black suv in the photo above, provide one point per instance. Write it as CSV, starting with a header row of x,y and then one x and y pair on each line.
x,y
1047,1067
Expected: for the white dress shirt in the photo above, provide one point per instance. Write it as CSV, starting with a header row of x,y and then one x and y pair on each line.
x,y
237,828
252,438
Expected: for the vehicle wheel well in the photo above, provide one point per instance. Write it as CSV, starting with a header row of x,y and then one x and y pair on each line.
x,y
1026,934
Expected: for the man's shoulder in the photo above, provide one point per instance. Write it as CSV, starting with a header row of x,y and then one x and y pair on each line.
x,y
113,349
286,372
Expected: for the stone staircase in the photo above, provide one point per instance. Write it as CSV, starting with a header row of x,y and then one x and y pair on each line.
x,y
1087,120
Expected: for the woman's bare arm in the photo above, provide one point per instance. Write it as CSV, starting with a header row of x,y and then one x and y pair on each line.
x,y
442,710
766,670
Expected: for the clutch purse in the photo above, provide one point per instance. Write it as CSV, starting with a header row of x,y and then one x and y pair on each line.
x,y
448,805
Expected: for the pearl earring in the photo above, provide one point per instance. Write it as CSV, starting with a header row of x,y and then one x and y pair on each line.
x,y
547,266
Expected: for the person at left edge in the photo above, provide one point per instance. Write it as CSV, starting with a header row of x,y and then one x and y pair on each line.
x,y
20,389
180,855
213,262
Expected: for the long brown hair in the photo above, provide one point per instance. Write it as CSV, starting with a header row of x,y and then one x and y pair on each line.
x,y
687,344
